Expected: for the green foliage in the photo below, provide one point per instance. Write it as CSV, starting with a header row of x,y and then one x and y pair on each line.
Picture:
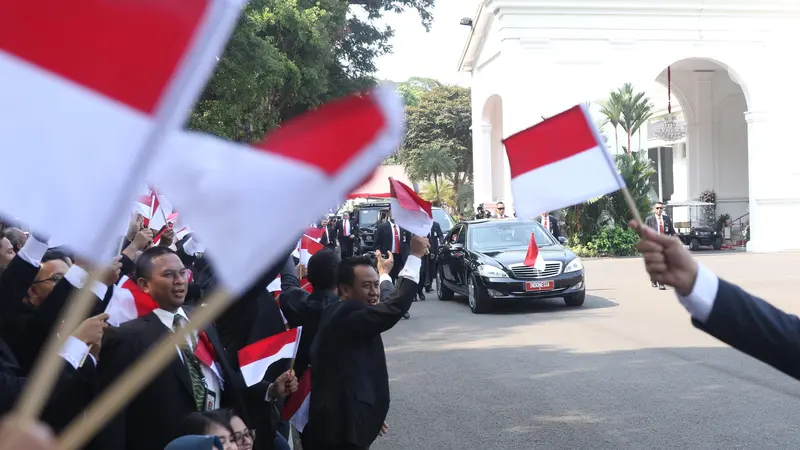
x,y
412,89
637,172
289,56
438,137
610,241
627,109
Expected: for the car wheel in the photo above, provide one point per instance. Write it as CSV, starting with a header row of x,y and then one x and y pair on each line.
x,y
575,299
441,290
718,243
478,301
694,245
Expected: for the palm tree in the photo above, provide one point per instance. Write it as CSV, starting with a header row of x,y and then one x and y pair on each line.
x,y
443,192
636,110
435,162
612,109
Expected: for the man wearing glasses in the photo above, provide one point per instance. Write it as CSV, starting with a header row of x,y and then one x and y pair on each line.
x,y
663,225
501,211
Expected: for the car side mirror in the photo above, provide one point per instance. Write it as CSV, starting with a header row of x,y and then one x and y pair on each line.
x,y
563,240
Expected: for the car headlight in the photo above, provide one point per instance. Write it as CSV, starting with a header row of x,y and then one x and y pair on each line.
x,y
491,271
574,265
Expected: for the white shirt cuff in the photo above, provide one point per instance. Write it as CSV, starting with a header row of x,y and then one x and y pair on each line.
x,y
385,277
33,251
411,269
74,351
76,276
700,301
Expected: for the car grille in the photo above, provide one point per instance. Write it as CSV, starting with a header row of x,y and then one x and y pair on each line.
x,y
529,273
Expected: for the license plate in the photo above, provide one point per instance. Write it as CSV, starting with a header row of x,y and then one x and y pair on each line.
x,y
539,285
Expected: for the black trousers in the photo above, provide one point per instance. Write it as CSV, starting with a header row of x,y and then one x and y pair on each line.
x,y
430,270
423,275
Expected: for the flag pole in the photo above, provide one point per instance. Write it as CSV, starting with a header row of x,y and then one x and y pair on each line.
x,y
172,112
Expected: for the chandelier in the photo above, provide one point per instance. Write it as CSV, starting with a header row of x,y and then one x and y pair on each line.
x,y
671,130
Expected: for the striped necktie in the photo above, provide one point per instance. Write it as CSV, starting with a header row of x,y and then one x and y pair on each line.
x,y
193,365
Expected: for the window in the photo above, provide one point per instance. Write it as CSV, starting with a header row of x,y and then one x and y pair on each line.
x,y
368,217
444,219
453,238
508,234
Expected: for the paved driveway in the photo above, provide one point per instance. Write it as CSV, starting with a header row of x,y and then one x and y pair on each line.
x,y
626,371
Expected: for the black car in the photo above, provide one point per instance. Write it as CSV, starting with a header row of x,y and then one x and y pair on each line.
x,y
482,259
367,216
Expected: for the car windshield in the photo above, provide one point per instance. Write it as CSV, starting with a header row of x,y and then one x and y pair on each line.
x,y
368,217
504,234
444,219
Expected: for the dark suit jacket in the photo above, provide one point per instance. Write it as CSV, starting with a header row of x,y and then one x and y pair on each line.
x,y
384,237
14,283
153,418
302,309
553,225
345,239
328,239
436,237
349,379
387,287
753,326
651,222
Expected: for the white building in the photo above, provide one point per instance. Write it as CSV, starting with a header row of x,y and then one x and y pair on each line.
x,y
733,72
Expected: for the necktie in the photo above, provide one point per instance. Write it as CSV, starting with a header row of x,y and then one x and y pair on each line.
x,y
660,226
396,248
193,365
546,223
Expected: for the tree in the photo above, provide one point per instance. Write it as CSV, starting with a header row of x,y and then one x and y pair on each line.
x,y
612,109
444,193
412,89
441,120
636,110
430,162
289,56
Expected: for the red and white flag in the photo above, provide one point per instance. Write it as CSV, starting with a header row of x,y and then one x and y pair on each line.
x,y
255,359
308,247
162,210
320,155
564,147
128,302
409,210
82,81
204,351
533,258
297,406
275,286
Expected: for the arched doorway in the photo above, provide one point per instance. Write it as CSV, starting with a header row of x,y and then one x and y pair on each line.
x,y
712,155
492,172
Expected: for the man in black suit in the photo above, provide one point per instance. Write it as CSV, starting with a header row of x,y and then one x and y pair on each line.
x,y
350,380
550,223
390,238
662,224
152,419
328,238
346,232
436,237
721,309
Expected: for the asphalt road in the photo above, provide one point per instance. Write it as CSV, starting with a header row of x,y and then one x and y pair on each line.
x,y
625,371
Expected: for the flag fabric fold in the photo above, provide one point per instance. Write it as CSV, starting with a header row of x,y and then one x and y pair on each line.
x,y
81,111
297,406
128,302
564,147
319,155
409,210
255,359
533,258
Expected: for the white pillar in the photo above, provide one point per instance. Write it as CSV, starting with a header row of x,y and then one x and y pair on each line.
x,y
679,172
482,162
704,129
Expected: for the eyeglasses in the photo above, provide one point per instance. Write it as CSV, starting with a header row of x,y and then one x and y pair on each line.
x,y
55,279
240,436
658,208
501,209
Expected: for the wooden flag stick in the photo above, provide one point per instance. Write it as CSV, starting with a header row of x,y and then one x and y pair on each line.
x,y
632,206
138,376
48,367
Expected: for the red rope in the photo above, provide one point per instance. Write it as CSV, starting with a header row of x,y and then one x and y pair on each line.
x,y
669,89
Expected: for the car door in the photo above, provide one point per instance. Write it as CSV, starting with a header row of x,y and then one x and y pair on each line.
x,y
445,253
458,254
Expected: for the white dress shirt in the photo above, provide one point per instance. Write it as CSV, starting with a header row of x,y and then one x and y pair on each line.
x,y
410,270
700,301
33,251
213,383
77,276
346,227
74,352
395,229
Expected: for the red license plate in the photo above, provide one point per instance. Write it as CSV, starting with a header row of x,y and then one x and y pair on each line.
x,y
539,285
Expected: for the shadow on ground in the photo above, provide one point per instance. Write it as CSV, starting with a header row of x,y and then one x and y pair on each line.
x,y
538,397
546,305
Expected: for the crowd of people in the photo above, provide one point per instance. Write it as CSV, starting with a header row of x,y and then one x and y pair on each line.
x,y
202,391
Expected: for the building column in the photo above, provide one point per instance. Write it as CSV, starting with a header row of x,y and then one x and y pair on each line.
x,y
703,128
679,172
482,162
774,189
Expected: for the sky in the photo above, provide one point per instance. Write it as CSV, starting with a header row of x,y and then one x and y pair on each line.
x,y
433,54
